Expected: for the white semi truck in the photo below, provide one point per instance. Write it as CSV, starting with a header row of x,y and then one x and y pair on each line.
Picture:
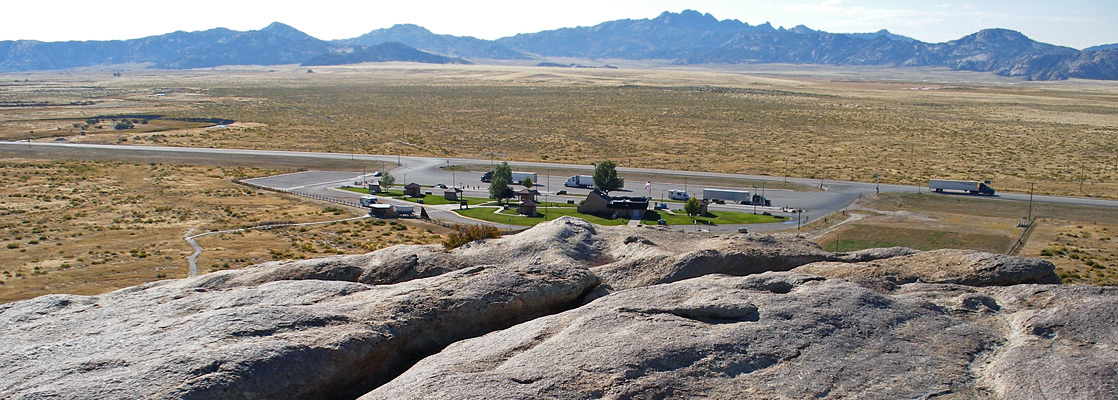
x,y
579,181
972,187
727,195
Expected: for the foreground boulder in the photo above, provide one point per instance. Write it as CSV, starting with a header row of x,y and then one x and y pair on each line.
x,y
207,338
786,335
611,312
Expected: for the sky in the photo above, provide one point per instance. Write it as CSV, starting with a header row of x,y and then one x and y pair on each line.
x,y
1073,23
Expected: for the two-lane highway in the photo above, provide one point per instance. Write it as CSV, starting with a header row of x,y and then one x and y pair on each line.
x,y
835,196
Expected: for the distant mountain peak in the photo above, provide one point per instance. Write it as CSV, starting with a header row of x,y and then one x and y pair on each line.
x,y
286,31
410,28
686,17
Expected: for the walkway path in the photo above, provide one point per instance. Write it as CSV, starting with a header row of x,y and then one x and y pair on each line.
x,y
193,258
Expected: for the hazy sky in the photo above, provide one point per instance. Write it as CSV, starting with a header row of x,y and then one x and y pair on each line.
x,y
1074,23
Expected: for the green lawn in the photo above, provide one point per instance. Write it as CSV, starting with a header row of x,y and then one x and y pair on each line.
x,y
510,217
711,218
650,217
433,199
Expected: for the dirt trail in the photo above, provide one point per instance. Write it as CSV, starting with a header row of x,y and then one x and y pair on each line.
x,y
192,259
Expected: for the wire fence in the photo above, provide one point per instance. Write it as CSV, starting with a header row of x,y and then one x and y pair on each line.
x,y
307,195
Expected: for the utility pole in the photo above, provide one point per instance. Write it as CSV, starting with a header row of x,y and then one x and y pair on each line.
x,y
786,169
1082,177
1031,200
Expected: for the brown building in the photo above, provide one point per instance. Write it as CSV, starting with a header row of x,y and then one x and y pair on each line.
x,y
413,190
528,194
617,206
527,208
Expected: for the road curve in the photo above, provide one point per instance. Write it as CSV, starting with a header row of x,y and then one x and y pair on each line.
x,y
425,170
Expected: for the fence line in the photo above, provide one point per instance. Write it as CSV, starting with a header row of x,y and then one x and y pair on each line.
x,y
1020,243
307,195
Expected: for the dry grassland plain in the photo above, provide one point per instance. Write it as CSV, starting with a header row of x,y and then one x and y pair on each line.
x,y
901,125
87,227
1078,240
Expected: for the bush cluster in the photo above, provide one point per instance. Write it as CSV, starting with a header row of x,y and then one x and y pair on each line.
x,y
467,233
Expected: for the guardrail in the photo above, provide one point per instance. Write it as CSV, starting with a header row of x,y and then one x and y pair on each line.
x,y
307,195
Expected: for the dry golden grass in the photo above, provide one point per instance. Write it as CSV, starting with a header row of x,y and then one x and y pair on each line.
x,y
1077,239
809,122
1083,252
91,227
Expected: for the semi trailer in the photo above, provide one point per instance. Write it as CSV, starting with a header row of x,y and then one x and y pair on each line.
x,y
972,187
517,177
727,195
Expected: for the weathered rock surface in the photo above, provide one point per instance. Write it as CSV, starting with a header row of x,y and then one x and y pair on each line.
x,y
787,335
209,338
611,312
942,266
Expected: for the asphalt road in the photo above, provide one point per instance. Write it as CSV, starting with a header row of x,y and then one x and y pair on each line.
x,y
834,196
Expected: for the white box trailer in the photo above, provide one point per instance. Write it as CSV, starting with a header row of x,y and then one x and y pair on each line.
x,y
972,187
727,195
517,177
579,181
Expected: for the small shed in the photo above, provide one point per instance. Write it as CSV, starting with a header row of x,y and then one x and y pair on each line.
x,y
374,187
452,194
413,190
528,194
528,208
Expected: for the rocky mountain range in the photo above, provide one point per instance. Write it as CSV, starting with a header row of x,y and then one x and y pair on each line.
x,y
571,310
688,37
389,51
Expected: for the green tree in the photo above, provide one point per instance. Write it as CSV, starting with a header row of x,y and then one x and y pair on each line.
x,y
527,182
692,207
504,170
499,184
387,181
605,177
